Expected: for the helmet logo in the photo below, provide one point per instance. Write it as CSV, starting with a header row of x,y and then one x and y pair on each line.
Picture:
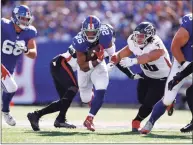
x,y
16,10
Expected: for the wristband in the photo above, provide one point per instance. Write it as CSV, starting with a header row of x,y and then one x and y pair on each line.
x,y
90,65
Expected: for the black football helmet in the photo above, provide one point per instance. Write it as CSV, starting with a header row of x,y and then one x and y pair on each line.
x,y
143,33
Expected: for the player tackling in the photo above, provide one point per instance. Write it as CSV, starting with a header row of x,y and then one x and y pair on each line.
x,y
154,61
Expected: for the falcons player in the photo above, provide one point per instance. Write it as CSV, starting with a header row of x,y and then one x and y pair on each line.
x,y
154,61
182,51
17,38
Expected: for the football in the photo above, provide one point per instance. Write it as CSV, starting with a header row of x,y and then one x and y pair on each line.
x,y
90,54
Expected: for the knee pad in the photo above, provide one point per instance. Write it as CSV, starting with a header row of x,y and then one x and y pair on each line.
x,y
73,88
9,85
85,95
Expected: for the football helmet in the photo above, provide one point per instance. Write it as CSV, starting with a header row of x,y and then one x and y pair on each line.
x,y
142,33
91,28
22,16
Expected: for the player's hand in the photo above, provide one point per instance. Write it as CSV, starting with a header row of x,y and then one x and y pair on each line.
x,y
137,76
110,66
100,54
127,62
175,81
21,45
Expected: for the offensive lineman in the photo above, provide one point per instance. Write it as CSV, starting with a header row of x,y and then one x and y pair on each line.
x,y
189,92
182,51
17,37
154,61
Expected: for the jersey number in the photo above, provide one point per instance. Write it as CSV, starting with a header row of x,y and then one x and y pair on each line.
x,y
8,48
150,67
79,39
105,31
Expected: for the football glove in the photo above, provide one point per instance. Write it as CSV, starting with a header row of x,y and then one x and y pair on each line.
x,y
110,66
128,62
21,45
137,76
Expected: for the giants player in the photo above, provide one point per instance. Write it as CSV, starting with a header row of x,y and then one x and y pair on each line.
x,y
17,38
189,93
154,61
182,51
95,72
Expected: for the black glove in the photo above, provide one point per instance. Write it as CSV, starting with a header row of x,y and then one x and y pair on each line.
x,y
175,81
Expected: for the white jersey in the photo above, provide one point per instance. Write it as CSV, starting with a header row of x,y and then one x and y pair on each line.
x,y
70,60
157,69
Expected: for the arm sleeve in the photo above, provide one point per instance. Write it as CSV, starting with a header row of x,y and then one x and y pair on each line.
x,y
126,71
187,71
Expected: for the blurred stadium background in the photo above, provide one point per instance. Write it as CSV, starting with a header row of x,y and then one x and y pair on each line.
x,y
57,22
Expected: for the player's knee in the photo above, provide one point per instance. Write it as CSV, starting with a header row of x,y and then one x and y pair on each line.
x,y
74,89
100,85
168,100
11,88
85,95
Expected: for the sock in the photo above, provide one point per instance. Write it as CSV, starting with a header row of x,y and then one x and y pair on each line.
x,y
158,110
65,104
6,99
144,111
97,101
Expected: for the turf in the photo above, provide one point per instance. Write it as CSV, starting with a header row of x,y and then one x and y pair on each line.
x,y
112,126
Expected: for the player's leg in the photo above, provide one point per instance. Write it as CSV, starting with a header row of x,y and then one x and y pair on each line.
x,y
9,88
169,96
189,94
6,99
142,89
8,83
100,79
67,89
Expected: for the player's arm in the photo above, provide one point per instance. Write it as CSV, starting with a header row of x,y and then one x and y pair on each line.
x,y
180,39
32,49
149,57
187,71
83,64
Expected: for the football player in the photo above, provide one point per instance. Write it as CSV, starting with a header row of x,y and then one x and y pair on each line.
x,y
62,69
182,51
189,92
92,70
17,38
154,61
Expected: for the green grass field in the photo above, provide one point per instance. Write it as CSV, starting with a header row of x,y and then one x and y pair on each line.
x,y
113,125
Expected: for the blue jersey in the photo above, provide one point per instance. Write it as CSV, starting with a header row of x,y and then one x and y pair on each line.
x,y
9,53
105,38
188,48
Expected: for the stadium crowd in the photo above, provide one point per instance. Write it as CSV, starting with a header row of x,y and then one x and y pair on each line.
x,y
61,20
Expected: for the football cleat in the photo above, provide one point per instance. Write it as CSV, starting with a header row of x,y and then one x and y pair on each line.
x,y
88,123
135,125
34,121
9,119
188,127
64,124
147,128
171,108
